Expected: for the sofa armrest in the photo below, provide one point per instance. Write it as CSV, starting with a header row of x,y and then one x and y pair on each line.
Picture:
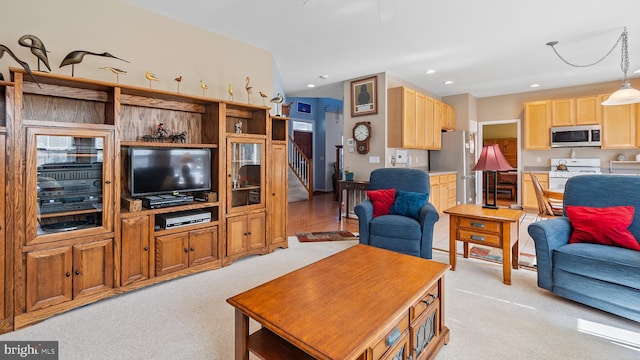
x,y
428,218
364,211
548,235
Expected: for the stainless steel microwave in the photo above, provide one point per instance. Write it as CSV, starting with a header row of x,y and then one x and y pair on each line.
x,y
570,136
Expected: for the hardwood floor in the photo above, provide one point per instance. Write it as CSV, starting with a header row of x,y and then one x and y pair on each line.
x,y
320,214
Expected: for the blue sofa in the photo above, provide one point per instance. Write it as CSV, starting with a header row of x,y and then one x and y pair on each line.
x,y
601,276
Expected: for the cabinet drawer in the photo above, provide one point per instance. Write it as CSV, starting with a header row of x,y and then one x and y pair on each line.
x,y
391,338
479,237
428,300
482,225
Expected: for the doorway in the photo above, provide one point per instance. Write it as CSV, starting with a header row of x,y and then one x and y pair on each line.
x,y
505,133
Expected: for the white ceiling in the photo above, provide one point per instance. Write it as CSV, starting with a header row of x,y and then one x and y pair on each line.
x,y
487,47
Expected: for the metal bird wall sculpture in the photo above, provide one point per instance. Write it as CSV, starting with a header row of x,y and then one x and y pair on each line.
x,y
37,48
76,56
24,65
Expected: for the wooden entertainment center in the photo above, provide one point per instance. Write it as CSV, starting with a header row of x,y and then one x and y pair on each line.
x,y
70,232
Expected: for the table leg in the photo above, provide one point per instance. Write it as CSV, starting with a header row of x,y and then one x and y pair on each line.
x,y
242,333
339,202
346,206
515,255
452,241
466,253
506,250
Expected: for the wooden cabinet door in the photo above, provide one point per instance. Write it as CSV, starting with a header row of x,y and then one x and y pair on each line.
x,y
409,118
448,117
135,249
49,280
619,127
588,110
236,229
529,199
537,122
172,253
437,125
431,130
421,121
203,245
444,193
452,190
278,195
256,227
563,112
92,268
434,195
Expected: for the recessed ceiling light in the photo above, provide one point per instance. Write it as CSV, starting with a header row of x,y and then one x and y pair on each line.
x,y
431,71
534,85
324,77
448,82
311,85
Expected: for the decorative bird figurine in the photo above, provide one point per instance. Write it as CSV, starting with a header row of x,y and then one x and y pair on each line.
x,y
37,48
76,56
248,88
263,96
151,77
178,80
203,86
277,100
116,71
230,90
24,65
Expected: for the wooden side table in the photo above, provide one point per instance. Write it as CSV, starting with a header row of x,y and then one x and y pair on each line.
x,y
498,228
349,186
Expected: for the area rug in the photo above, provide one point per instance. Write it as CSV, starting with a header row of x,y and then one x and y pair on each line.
x,y
495,255
326,236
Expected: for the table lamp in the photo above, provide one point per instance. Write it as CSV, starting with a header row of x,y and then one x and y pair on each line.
x,y
491,161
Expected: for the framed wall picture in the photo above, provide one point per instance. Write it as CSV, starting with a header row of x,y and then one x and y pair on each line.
x,y
364,99
304,108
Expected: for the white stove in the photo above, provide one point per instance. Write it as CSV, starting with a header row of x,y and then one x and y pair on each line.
x,y
574,167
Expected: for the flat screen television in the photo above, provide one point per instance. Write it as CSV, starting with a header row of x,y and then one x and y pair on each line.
x,y
156,171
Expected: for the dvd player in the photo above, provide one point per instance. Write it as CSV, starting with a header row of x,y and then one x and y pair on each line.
x,y
182,218
162,201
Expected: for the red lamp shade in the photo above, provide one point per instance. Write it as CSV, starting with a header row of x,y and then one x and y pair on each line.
x,y
492,159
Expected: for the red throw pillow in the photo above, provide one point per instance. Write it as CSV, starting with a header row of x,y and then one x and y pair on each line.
x,y
606,226
382,200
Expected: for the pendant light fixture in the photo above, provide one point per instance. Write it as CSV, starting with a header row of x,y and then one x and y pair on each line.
x,y
626,94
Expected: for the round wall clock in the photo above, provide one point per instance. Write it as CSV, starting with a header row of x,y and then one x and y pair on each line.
x,y
362,135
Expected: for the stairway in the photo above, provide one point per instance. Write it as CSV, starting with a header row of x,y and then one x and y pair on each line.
x,y
297,192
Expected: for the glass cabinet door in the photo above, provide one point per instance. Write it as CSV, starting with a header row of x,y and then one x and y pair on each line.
x,y
246,173
66,181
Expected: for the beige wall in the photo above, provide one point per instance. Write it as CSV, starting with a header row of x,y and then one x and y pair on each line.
x,y
151,42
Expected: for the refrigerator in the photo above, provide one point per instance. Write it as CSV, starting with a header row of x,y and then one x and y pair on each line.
x,y
457,154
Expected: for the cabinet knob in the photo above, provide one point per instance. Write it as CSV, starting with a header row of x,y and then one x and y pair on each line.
x,y
193,249
146,248
107,182
77,272
67,274
186,250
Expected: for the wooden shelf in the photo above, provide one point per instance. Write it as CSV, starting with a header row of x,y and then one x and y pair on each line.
x,y
166,144
196,205
267,345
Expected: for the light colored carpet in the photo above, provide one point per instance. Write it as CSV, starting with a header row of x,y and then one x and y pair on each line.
x,y
189,318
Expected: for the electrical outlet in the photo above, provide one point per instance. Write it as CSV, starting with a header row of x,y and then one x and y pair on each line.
x,y
538,159
417,161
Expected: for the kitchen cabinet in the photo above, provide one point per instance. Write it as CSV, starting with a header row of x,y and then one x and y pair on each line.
x,y
442,191
448,117
529,199
588,110
419,116
563,112
537,124
618,126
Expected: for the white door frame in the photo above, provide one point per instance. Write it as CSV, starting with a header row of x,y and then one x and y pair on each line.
x,y
481,124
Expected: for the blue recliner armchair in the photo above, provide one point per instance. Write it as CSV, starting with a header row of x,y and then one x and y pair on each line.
x,y
395,232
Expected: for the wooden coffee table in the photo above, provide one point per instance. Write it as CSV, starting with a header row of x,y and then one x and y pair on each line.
x,y
361,303
498,228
